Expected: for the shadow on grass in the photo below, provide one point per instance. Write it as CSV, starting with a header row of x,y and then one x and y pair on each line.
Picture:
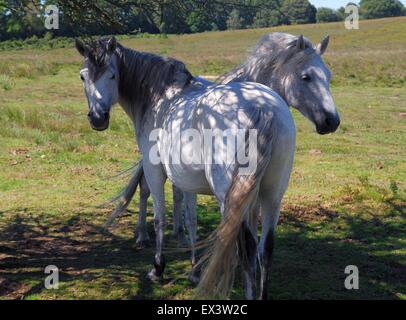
x,y
82,251
314,245
312,249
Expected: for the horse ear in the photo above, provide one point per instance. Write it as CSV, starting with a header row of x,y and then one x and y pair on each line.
x,y
81,47
322,46
111,45
300,43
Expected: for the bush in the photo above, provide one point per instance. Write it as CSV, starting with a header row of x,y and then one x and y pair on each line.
x,y
326,15
373,9
267,18
235,21
47,42
340,13
299,11
198,22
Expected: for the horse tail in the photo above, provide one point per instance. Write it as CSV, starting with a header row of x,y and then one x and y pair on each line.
x,y
126,195
220,261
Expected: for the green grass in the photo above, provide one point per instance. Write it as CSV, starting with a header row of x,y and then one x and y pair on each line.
x,y
369,56
345,203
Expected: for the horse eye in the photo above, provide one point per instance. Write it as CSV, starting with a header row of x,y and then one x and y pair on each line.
x,y
306,77
113,77
82,77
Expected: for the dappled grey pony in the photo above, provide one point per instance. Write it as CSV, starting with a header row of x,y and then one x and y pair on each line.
x,y
300,77
160,93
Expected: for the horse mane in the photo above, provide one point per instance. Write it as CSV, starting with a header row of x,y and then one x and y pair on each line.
x,y
143,76
275,52
148,75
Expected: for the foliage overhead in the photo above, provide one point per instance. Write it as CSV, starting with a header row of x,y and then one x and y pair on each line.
x,y
25,18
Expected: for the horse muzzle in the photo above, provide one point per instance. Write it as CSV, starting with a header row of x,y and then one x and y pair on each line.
x,y
98,121
329,125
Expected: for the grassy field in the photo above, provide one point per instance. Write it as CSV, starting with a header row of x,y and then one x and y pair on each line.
x,y
345,204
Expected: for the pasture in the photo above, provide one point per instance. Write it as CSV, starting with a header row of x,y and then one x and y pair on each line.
x,y
345,204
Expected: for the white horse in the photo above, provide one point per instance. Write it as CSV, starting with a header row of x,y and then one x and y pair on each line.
x,y
259,67
160,93
268,64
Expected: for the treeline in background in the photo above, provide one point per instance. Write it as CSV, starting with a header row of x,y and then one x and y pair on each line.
x,y
24,19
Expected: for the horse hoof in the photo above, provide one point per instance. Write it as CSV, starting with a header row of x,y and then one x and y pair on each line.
x,y
154,277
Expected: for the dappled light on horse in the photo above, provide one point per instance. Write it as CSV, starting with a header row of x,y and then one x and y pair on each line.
x,y
276,61
169,98
293,67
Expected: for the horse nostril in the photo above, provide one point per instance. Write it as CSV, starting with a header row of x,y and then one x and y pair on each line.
x,y
332,122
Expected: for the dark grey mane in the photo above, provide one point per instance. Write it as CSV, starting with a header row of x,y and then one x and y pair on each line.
x,y
275,52
142,75
97,57
148,75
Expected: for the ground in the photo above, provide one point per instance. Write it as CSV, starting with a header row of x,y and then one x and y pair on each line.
x,y
345,204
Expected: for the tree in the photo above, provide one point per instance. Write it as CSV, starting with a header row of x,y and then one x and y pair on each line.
x,y
373,9
234,20
268,14
340,13
20,18
174,21
326,15
198,21
267,18
25,18
299,11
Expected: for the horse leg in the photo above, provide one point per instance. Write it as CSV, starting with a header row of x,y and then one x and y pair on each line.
x,y
191,224
156,178
178,229
247,248
253,221
270,215
273,186
141,231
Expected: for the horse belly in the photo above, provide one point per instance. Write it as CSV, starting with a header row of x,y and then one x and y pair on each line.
x,y
180,146
188,179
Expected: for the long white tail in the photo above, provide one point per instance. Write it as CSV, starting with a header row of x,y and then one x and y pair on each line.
x,y
127,194
221,259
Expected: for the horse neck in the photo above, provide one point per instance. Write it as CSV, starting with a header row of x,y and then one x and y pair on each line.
x,y
131,87
146,86
248,72
134,105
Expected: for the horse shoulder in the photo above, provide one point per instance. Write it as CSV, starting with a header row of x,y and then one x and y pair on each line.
x,y
280,112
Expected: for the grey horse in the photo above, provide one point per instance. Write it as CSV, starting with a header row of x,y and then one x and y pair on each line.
x,y
160,93
269,64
